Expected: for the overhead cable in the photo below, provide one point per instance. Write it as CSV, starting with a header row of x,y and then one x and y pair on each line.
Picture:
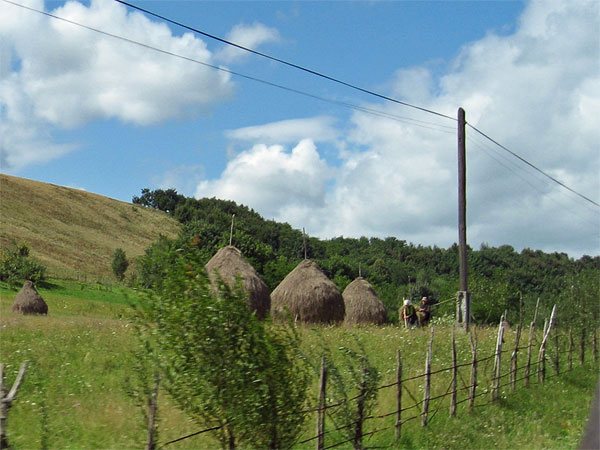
x,y
532,166
414,122
282,61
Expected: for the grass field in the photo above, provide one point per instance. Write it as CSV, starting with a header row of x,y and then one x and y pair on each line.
x,y
75,392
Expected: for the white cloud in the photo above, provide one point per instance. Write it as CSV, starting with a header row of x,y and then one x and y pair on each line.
x,y
64,76
319,129
248,36
273,180
537,91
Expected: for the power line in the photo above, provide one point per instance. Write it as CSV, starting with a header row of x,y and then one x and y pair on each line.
x,y
532,165
366,110
282,61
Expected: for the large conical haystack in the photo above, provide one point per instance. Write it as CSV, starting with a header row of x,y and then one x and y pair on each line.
x,y
362,304
29,301
230,264
308,296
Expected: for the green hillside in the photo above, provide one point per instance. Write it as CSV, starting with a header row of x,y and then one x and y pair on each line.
x,y
74,232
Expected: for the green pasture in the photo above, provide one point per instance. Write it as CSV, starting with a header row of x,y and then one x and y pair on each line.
x,y
75,392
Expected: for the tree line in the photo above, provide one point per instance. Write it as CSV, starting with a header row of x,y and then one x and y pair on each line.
x,y
499,277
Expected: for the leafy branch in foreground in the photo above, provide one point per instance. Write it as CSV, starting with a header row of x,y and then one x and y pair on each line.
x,y
222,365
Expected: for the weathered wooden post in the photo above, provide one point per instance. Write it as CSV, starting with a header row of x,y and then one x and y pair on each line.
x,y
399,397
571,347
557,359
498,361
360,409
542,353
473,339
530,344
321,409
425,412
464,307
514,356
454,377
595,344
6,400
582,347
152,407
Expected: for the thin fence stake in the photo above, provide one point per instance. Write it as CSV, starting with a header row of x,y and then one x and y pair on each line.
x,y
542,353
571,347
514,356
497,361
360,409
152,403
582,347
6,399
473,338
454,377
427,382
399,397
530,344
557,360
595,344
321,410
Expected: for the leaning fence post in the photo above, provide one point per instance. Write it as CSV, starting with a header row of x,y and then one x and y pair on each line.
x,y
498,360
582,347
454,377
427,382
6,400
321,409
571,347
399,397
529,346
514,357
542,353
360,411
473,338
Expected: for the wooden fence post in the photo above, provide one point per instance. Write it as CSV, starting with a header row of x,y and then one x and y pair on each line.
x,y
514,357
152,407
6,400
399,397
595,344
542,353
557,360
571,347
473,338
321,410
454,377
427,382
498,360
582,347
360,409
529,346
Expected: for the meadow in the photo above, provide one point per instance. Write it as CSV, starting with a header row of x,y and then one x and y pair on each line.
x,y
75,393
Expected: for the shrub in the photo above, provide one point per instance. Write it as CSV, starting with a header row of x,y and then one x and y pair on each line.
x,y
16,265
119,264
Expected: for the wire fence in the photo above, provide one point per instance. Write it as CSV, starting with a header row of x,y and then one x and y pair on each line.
x,y
481,384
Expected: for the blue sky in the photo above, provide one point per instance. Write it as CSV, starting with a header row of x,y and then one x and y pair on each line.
x,y
82,109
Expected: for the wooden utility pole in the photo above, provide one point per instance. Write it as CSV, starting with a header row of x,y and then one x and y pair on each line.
x,y
464,308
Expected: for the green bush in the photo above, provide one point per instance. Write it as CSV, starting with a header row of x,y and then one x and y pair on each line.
x,y
119,264
16,265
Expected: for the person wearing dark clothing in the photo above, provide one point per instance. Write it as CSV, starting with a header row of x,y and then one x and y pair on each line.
x,y
424,312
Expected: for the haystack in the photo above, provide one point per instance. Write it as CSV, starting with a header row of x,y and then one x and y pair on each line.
x,y
229,264
29,301
362,304
308,296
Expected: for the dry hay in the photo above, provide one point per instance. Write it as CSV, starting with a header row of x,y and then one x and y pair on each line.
x,y
229,264
362,304
29,301
308,296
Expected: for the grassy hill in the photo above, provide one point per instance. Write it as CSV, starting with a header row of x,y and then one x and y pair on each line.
x,y
74,232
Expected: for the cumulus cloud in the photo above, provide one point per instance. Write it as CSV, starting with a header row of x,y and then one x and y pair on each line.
x,y
248,36
536,91
273,180
64,76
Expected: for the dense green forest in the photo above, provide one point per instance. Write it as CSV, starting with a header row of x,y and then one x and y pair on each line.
x,y
498,277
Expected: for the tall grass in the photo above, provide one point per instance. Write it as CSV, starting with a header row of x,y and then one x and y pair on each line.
x,y
75,392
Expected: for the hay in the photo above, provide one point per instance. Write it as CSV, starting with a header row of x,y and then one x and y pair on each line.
x,y
228,263
29,301
362,304
308,296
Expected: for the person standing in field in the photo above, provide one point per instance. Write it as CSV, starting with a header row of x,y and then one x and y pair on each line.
x,y
424,312
408,314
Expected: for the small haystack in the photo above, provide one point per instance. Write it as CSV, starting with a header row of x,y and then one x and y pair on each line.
x,y
29,301
362,304
308,296
230,264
